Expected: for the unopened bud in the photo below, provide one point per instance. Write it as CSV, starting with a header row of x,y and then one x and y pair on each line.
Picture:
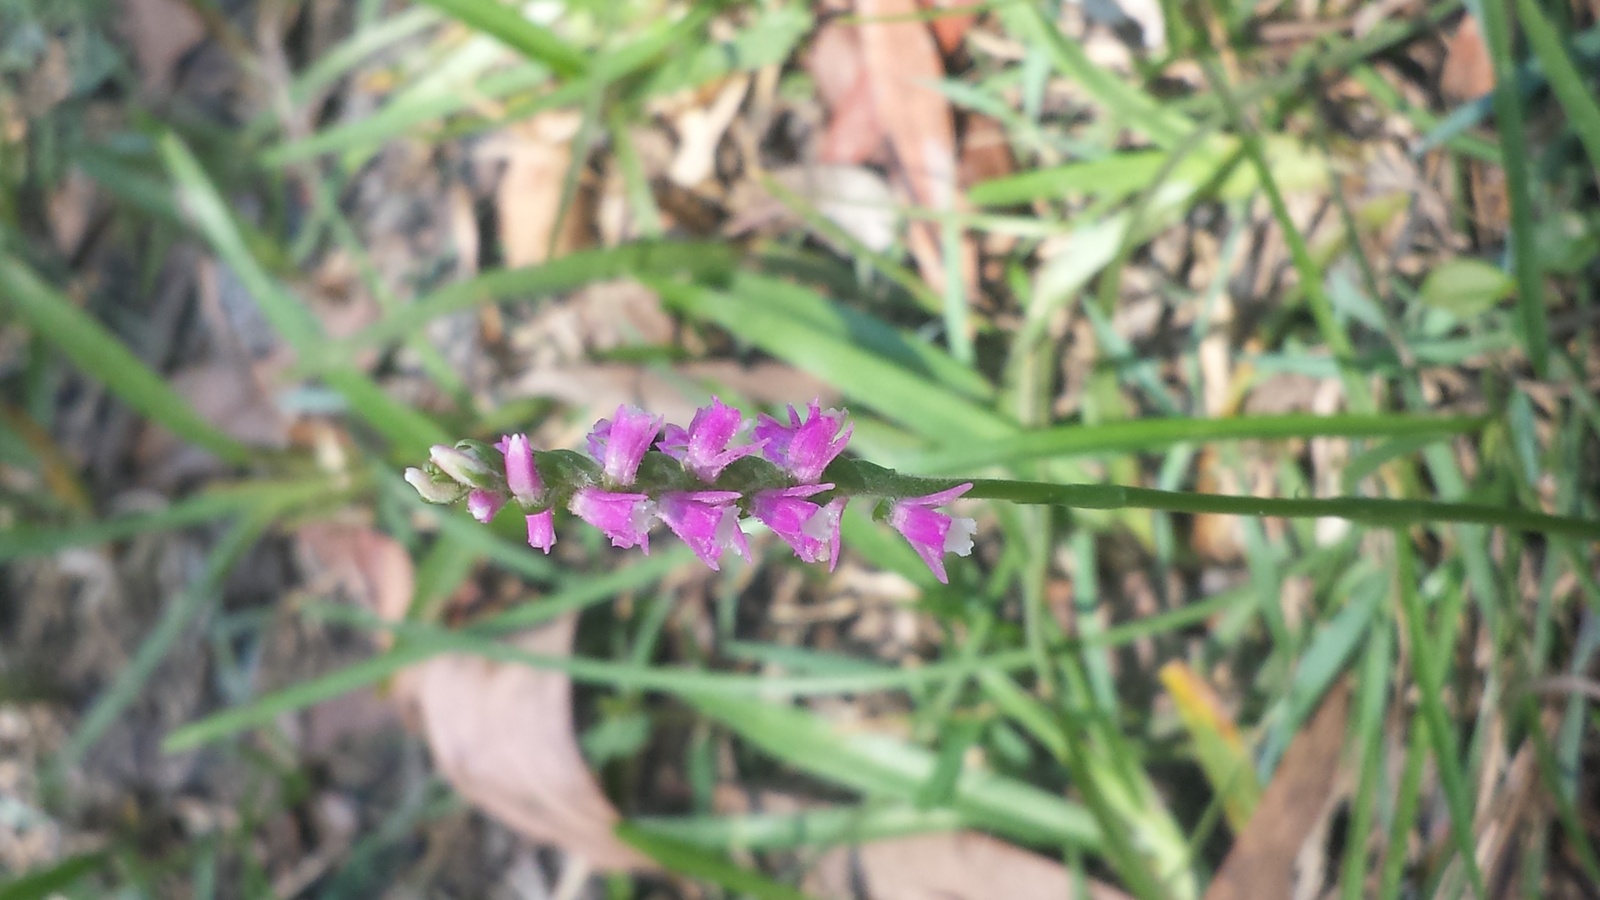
x,y
431,490
464,468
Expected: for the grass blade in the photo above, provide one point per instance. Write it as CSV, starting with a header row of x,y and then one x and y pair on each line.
x,y
94,350
1532,326
696,862
883,767
508,25
1155,435
174,619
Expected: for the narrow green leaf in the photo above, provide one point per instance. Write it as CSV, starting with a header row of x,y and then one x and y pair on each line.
x,y
174,619
1532,325
100,355
1570,85
809,829
701,261
696,862
1428,669
894,392
1155,435
217,503
880,766
508,25
408,430
52,880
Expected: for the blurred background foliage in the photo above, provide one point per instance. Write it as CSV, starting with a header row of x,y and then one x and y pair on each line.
x,y
257,255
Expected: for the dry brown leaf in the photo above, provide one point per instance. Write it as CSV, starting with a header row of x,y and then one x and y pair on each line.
x,y
950,28
162,32
71,207
854,133
985,151
959,865
1468,72
902,64
369,567
1263,860
538,153
502,735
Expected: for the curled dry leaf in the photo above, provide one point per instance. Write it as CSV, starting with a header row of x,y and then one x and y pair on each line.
x,y
959,865
501,734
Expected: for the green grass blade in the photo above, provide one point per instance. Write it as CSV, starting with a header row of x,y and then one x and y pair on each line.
x,y
408,430
217,503
809,829
1532,325
1565,79
131,680
53,880
100,355
883,767
701,261
508,25
896,393
689,859
1428,669
1155,435
582,593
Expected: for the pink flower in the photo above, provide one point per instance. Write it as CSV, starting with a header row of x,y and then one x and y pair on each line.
x,y
812,530
703,446
707,521
932,533
620,443
624,518
521,475
804,448
484,504
542,530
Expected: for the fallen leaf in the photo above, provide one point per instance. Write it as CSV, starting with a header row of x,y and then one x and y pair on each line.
x,y
368,567
1468,72
949,24
71,209
854,133
162,32
960,865
1263,860
985,150
502,735
538,154
902,65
